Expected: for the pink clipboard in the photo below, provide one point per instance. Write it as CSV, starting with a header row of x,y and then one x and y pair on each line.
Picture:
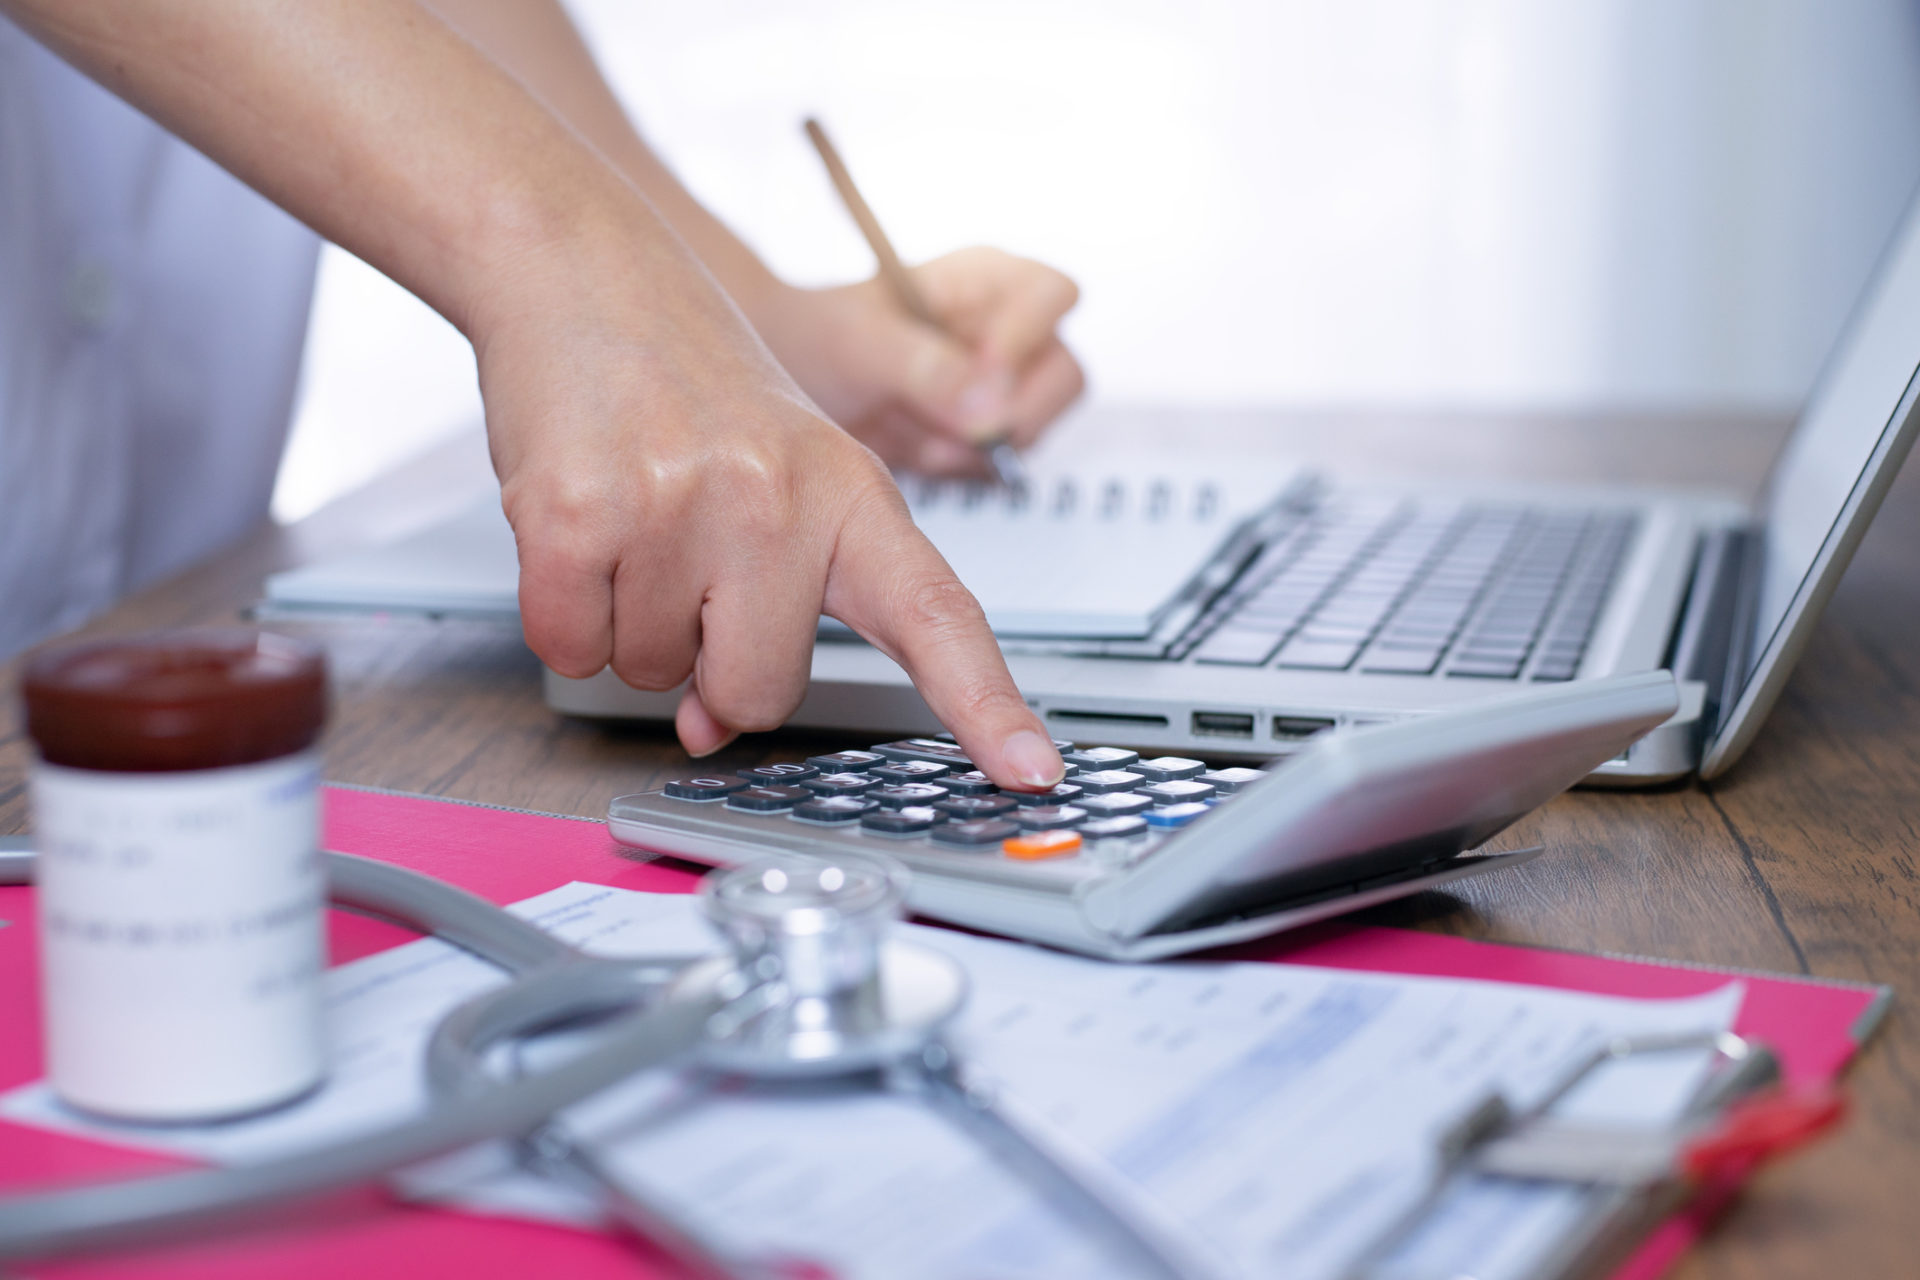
x,y
504,855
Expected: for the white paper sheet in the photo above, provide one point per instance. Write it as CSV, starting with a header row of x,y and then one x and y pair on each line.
x,y
1285,1114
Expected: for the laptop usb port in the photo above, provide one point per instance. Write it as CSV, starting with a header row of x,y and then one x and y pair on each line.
x,y
1299,728
1222,724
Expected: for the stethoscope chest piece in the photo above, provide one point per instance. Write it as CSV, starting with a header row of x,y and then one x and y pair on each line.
x,y
813,984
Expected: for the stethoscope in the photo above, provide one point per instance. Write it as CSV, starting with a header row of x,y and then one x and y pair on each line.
x,y
813,985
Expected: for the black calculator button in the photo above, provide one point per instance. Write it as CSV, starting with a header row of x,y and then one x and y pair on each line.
x,y
779,774
909,771
907,793
841,784
1167,769
1103,782
1176,792
704,788
947,753
1093,759
1119,828
1228,781
776,799
1049,817
846,761
972,808
1063,793
831,809
971,783
988,832
1121,804
912,821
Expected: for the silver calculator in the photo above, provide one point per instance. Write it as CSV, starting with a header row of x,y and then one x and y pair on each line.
x,y
1136,858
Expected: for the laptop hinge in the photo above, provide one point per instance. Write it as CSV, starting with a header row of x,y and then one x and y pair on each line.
x,y
1707,645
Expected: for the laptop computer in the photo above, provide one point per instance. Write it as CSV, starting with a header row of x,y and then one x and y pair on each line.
x,y
1241,615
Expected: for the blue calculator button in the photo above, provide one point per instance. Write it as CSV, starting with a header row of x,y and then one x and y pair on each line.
x,y
704,788
779,774
768,799
1174,815
833,809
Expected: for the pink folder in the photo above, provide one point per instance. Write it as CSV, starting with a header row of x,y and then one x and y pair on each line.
x,y
506,855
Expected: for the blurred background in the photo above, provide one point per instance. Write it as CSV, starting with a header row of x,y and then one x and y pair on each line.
x,y
1450,204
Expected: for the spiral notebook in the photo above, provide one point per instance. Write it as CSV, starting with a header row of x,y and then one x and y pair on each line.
x,y
1089,554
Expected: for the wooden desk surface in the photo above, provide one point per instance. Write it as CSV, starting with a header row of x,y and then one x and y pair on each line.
x,y
1803,860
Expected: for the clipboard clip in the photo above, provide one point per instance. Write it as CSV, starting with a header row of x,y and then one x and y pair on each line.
x,y
1743,1116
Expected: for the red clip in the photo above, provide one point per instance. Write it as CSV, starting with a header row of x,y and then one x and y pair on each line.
x,y
1752,1131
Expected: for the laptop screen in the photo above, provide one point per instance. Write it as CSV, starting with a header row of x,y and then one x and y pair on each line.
x,y
1830,454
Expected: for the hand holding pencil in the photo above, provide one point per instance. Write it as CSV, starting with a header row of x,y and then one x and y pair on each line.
x,y
938,367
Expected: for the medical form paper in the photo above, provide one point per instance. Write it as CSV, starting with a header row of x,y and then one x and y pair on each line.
x,y
1286,1115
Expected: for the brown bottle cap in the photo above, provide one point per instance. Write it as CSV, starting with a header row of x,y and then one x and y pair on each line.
x,y
175,700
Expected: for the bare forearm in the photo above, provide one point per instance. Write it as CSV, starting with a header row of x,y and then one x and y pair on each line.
x,y
359,117
536,42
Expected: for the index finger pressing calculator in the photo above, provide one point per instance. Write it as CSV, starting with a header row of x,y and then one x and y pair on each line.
x,y
1136,859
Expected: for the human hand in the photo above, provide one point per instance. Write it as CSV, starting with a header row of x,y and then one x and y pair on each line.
x,y
682,509
924,399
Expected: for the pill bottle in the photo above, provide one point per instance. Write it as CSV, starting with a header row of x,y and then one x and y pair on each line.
x,y
178,880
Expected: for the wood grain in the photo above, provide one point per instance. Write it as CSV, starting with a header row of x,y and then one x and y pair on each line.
x,y
1802,860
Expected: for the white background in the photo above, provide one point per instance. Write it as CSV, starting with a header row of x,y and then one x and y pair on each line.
x,y
1447,203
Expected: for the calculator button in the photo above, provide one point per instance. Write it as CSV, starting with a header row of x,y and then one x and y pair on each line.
x,y
1062,793
1168,769
1103,782
841,784
947,753
1049,817
1164,793
912,821
768,799
832,809
1121,804
779,774
907,793
704,788
909,771
1121,828
846,761
1174,815
969,808
987,831
1228,781
1036,845
1092,759
971,783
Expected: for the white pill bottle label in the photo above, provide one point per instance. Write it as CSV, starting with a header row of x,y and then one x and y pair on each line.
x,y
181,937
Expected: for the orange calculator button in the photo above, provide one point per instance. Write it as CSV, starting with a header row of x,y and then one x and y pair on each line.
x,y
1042,844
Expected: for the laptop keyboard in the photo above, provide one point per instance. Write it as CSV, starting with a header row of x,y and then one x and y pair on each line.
x,y
1399,587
